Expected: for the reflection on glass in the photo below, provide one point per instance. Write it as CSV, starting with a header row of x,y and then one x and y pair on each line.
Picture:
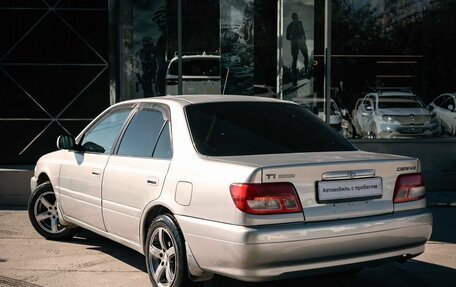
x,y
149,47
297,49
392,113
444,107
200,50
395,44
237,46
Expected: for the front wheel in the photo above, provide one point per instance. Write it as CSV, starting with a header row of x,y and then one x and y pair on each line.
x,y
165,254
43,214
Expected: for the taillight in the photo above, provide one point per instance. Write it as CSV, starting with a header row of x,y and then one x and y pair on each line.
x,y
265,198
409,187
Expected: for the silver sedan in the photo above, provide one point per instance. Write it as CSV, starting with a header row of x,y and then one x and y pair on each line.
x,y
250,188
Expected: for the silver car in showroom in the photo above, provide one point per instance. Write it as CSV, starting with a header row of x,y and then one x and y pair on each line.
x,y
250,188
394,114
445,108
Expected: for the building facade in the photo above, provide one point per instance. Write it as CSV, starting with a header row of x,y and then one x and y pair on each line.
x,y
64,61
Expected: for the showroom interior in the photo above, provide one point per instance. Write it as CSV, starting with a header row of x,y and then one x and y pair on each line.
x,y
62,62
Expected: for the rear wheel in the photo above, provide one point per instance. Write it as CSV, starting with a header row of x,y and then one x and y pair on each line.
x,y
165,254
43,214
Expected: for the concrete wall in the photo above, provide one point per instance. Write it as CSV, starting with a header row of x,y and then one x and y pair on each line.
x,y
438,158
15,186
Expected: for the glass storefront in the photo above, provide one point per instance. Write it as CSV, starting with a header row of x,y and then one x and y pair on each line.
x,y
392,63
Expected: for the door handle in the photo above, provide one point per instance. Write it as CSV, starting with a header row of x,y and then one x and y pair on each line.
x,y
152,180
96,172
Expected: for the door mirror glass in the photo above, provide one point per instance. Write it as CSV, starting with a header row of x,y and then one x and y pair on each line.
x,y
65,142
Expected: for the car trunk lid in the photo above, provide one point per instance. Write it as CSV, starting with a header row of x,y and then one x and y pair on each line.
x,y
335,185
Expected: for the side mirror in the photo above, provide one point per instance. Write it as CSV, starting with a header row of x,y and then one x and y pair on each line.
x,y
66,142
451,107
344,112
431,108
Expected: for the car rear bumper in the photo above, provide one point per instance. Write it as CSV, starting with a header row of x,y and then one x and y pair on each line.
x,y
287,250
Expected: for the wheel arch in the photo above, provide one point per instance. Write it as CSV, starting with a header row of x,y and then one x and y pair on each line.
x,y
148,216
42,178
195,272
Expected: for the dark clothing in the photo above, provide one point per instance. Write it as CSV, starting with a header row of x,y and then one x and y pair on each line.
x,y
297,37
160,77
145,70
295,31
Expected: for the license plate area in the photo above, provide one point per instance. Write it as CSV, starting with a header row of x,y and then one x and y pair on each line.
x,y
330,191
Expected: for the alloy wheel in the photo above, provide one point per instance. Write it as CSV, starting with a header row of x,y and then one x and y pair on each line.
x,y
162,254
46,215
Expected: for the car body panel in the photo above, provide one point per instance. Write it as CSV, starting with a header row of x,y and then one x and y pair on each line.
x,y
304,170
220,238
81,175
126,192
272,252
445,113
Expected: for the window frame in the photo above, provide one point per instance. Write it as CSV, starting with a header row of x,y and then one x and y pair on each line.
x,y
166,113
97,120
440,100
446,103
198,152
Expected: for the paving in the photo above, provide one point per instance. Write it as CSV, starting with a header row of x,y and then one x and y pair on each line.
x,y
28,260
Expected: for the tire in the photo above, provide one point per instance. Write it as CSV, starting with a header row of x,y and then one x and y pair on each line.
x,y
44,217
349,272
166,260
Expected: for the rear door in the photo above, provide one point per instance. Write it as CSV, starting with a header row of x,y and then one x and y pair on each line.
x,y
135,174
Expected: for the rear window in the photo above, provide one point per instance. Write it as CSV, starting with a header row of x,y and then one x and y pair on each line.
x,y
197,67
248,128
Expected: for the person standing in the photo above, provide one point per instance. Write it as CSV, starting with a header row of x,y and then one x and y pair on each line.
x,y
145,67
297,37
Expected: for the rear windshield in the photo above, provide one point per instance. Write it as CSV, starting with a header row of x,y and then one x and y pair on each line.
x,y
391,102
248,128
197,67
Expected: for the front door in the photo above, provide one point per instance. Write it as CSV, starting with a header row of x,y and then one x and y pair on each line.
x,y
81,172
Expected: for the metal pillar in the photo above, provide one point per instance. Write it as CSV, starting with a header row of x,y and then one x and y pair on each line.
x,y
179,47
327,78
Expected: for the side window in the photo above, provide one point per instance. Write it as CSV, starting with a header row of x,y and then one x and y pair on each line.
x,y
101,136
368,103
163,148
142,133
440,100
448,104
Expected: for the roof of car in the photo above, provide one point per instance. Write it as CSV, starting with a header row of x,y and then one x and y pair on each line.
x,y
196,99
393,93
198,56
